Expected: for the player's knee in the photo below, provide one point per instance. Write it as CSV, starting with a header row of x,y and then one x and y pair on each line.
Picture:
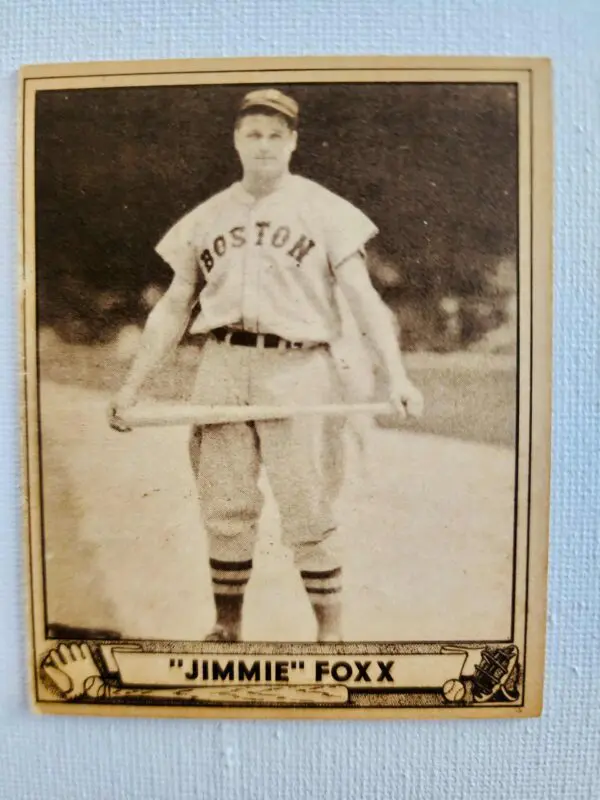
x,y
319,555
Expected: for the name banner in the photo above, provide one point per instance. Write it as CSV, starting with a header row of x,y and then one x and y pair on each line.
x,y
426,671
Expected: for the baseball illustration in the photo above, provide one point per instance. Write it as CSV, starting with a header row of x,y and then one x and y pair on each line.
x,y
454,691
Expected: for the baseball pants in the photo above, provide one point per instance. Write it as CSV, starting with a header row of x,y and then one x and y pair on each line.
x,y
303,456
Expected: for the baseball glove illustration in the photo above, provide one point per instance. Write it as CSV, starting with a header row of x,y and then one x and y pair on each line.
x,y
69,670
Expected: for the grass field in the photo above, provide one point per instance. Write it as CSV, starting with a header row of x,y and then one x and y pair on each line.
x,y
467,396
475,404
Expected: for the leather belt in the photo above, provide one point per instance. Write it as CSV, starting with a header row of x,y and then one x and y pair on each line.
x,y
249,339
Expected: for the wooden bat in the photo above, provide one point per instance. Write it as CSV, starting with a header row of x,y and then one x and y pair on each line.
x,y
188,414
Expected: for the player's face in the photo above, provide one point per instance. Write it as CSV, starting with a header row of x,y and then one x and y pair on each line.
x,y
264,144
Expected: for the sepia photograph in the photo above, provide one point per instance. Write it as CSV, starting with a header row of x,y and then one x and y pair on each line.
x,y
286,377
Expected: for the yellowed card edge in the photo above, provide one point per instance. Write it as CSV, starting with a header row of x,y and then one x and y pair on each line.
x,y
294,63
540,70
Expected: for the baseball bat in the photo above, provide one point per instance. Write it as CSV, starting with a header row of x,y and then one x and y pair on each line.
x,y
188,414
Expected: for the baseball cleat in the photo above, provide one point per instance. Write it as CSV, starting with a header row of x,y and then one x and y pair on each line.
x,y
221,634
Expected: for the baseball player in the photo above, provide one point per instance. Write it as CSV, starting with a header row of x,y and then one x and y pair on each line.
x,y
264,260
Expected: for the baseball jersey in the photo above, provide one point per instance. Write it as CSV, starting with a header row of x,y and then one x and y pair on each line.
x,y
268,265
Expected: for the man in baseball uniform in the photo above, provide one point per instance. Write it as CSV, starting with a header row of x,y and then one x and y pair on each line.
x,y
264,261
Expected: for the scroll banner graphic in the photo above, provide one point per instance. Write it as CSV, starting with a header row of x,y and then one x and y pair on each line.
x,y
119,671
426,671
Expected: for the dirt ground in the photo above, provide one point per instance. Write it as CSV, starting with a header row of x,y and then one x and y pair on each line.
x,y
427,531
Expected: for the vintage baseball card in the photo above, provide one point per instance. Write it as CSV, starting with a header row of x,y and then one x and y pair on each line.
x,y
286,355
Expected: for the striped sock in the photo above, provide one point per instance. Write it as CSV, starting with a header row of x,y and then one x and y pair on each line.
x,y
229,580
323,586
324,592
230,577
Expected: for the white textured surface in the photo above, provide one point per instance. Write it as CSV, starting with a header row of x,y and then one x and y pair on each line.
x,y
553,757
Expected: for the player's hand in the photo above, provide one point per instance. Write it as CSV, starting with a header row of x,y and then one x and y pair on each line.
x,y
406,399
118,405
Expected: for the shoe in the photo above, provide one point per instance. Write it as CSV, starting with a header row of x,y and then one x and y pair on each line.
x,y
330,637
221,634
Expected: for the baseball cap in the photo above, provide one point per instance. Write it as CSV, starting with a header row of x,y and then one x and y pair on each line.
x,y
273,99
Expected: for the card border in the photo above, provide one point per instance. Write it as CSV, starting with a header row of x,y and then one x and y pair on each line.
x,y
538,76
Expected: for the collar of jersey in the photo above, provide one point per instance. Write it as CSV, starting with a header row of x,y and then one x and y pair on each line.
x,y
248,199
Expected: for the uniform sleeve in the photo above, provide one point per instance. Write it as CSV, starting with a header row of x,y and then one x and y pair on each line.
x,y
178,247
347,229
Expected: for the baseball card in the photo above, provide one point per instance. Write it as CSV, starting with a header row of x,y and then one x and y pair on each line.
x,y
286,370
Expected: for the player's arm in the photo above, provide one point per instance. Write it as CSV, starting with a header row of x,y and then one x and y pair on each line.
x,y
376,324
164,328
